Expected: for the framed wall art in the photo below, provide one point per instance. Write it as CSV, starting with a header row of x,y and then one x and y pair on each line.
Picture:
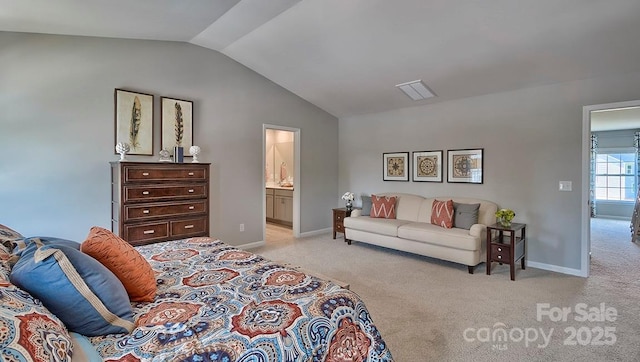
x,y
465,166
427,166
134,121
395,166
177,123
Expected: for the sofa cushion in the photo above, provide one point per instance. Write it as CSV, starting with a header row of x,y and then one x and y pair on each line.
x,y
366,205
125,262
79,290
442,213
465,215
383,207
433,234
374,225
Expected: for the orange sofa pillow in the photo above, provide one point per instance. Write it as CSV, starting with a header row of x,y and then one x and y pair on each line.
x,y
383,207
442,213
133,270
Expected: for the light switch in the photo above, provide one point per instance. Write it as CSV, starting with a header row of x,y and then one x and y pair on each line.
x,y
565,186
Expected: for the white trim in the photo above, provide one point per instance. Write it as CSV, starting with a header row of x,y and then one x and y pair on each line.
x,y
315,232
253,245
585,247
555,268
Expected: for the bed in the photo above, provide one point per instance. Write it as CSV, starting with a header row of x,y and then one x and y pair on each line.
x,y
215,302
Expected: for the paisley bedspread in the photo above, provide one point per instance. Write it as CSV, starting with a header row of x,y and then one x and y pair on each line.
x,y
219,303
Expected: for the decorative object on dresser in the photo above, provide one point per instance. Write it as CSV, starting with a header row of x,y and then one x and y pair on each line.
x,y
134,121
177,123
506,251
194,151
395,166
153,202
427,166
165,156
465,166
178,154
122,148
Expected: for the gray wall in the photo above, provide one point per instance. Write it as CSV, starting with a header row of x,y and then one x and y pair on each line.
x,y
532,139
57,131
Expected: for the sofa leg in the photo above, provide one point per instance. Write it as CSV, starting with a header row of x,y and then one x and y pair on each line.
x,y
470,269
348,241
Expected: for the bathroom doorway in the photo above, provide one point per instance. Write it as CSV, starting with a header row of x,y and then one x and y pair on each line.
x,y
281,183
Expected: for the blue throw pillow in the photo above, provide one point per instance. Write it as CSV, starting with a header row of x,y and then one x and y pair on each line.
x,y
83,293
20,245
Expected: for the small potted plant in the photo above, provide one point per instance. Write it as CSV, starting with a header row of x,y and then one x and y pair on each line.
x,y
505,216
348,197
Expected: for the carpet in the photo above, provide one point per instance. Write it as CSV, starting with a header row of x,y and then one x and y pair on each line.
x,y
432,310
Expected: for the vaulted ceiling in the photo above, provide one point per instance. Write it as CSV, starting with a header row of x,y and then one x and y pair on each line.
x,y
346,56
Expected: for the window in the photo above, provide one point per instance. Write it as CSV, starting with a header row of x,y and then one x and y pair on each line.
x,y
616,176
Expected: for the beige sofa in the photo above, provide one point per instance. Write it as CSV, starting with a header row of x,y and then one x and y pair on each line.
x,y
413,232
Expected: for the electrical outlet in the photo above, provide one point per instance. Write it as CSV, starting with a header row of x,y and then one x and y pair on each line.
x,y
241,227
565,186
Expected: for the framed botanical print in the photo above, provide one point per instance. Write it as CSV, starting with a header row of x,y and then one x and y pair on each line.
x,y
177,123
427,166
395,166
134,121
465,166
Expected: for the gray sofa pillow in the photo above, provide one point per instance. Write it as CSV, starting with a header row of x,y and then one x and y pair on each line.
x,y
366,205
465,215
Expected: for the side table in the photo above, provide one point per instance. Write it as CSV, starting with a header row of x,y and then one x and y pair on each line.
x,y
338,220
506,251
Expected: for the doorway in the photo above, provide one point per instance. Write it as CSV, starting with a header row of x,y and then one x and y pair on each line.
x,y
281,183
606,117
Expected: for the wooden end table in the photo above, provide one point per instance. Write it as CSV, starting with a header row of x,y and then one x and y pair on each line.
x,y
338,220
507,251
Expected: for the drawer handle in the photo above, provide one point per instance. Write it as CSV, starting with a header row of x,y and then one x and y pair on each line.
x,y
188,226
145,192
146,232
191,207
191,174
499,256
499,249
145,174
191,191
145,211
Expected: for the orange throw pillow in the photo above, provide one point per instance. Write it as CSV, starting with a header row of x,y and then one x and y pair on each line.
x,y
133,270
383,207
442,213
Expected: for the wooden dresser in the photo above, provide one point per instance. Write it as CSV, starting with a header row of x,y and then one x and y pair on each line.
x,y
153,202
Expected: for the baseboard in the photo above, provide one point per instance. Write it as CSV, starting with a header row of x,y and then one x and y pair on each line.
x,y
315,232
555,268
253,245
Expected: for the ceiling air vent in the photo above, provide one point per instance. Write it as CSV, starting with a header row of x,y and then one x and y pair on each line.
x,y
416,90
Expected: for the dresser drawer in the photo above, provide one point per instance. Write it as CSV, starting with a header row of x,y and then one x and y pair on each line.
x,y
144,233
164,192
189,227
166,209
168,173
